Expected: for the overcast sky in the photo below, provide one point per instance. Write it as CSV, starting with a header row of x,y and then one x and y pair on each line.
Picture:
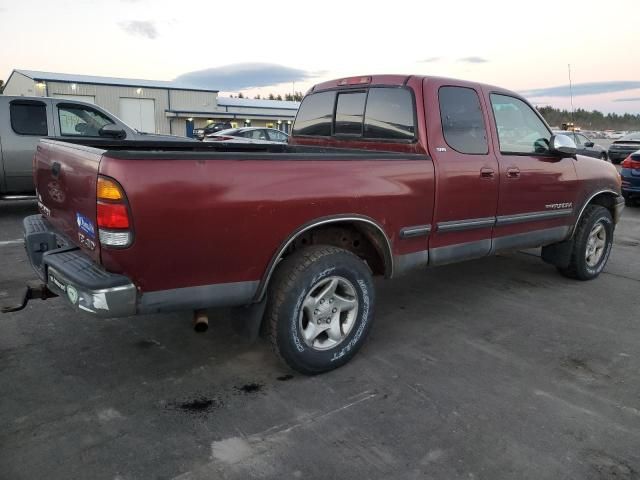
x,y
261,47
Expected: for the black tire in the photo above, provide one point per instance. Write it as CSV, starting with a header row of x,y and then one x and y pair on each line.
x,y
297,278
603,157
629,202
578,267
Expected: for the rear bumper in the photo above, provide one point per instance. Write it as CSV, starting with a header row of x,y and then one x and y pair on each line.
x,y
72,275
631,192
630,182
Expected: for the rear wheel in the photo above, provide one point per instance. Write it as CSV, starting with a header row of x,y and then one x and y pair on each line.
x,y
592,242
603,157
320,308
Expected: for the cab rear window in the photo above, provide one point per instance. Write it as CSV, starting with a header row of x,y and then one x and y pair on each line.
x,y
389,114
315,115
385,113
349,112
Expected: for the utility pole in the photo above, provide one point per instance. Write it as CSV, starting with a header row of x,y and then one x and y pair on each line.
x,y
571,95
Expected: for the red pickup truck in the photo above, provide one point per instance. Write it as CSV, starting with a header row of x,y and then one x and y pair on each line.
x,y
382,175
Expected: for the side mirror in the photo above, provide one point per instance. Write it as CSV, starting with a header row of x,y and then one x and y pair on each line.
x,y
111,130
562,144
589,144
81,128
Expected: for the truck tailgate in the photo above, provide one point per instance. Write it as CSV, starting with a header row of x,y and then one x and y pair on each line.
x,y
65,178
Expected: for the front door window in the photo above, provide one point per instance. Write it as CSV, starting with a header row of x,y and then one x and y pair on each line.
x,y
76,120
520,129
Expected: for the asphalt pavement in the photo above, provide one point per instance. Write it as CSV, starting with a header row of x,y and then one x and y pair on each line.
x,y
492,369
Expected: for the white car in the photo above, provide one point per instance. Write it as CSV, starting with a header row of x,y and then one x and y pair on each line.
x,y
248,135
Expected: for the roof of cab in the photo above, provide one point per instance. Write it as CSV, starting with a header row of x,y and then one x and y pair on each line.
x,y
400,80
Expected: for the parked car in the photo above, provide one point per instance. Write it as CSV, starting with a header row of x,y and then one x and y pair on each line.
x,y
249,135
25,120
621,149
382,175
585,145
630,175
200,133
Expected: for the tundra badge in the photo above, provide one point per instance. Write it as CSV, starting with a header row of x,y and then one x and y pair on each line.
x,y
558,206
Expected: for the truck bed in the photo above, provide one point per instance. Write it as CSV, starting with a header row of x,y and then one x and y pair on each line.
x,y
132,149
213,215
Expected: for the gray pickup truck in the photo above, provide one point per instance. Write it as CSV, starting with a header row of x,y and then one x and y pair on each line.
x,y
25,120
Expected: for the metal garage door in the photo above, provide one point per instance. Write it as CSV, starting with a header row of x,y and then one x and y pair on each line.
x,y
79,98
139,113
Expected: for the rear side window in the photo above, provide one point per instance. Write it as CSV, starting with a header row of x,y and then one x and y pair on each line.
x,y
256,134
277,136
29,118
315,115
349,113
462,122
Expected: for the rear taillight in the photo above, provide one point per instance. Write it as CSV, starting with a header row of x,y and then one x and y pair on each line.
x,y
112,215
631,162
114,224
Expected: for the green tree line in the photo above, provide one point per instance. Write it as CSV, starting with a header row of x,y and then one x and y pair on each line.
x,y
590,120
289,97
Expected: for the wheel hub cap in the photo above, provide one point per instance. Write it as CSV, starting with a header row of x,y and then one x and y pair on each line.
x,y
328,313
596,244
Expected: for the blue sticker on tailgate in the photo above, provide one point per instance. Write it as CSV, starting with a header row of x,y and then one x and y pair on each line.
x,y
85,225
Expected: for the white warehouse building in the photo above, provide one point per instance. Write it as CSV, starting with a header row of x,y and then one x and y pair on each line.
x,y
155,106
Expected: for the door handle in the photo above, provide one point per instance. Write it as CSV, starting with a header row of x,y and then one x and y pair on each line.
x,y
486,172
513,172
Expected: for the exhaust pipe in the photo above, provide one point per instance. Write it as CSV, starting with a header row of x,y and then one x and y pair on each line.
x,y
200,321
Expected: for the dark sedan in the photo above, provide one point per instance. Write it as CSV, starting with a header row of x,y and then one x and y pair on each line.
x,y
630,175
585,145
211,128
621,149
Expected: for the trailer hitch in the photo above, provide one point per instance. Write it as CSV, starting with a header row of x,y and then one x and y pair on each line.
x,y
32,291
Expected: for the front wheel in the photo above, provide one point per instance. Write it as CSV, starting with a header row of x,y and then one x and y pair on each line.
x,y
320,308
592,242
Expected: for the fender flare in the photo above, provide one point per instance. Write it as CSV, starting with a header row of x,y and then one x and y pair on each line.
x,y
586,203
387,252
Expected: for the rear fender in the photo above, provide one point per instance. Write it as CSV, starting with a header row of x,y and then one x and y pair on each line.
x,y
381,242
